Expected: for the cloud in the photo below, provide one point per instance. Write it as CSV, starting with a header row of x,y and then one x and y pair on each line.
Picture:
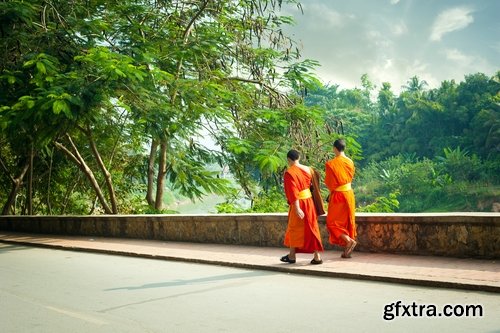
x,y
323,17
350,39
398,71
377,39
451,20
394,2
463,63
458,57
399,29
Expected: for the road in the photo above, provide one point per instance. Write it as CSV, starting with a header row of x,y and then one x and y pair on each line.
x,y
45,290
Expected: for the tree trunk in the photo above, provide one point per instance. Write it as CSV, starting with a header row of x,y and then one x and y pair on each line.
x,y
162,163
29,196
49,205
151,171
16,185
104,170
162,171
80,162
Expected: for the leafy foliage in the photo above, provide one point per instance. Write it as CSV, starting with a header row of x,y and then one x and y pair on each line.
x,y
106,105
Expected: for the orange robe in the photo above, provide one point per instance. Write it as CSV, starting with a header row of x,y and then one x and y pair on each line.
x,y
302,234
341,205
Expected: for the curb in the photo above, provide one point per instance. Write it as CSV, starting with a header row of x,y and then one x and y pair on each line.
x,y
281,268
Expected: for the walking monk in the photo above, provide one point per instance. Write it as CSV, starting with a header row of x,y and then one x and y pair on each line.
x,y
341,205
302,234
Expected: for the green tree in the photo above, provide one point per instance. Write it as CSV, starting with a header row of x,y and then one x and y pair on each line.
x,y
101,80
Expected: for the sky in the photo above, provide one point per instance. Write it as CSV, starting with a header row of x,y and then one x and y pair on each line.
x,y
394,40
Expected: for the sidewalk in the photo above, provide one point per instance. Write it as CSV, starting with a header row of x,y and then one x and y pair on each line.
x,y
469,274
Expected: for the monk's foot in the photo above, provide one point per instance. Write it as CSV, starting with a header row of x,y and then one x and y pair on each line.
x,y
349,248
316,261
287,259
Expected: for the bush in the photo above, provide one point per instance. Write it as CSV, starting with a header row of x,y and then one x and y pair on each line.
x,y
382,205
271,201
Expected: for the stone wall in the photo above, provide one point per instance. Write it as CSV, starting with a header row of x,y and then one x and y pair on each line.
x,y
448,234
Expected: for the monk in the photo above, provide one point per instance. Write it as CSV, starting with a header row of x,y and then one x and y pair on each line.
x,y
340,221
302,234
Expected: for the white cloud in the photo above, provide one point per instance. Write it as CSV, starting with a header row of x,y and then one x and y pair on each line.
x,y
383,44
323,17
451,20
458,57
461,63
394,2
399,29
398,71
378,39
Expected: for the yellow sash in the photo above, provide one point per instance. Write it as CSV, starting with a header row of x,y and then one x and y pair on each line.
x,y
304,194
343,188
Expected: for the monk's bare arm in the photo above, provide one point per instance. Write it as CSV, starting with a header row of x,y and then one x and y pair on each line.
x,y
298,211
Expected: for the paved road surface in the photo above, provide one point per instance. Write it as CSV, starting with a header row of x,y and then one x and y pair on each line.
x,y
45,290
429,271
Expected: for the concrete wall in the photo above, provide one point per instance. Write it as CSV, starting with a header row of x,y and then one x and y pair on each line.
x,y
448,234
